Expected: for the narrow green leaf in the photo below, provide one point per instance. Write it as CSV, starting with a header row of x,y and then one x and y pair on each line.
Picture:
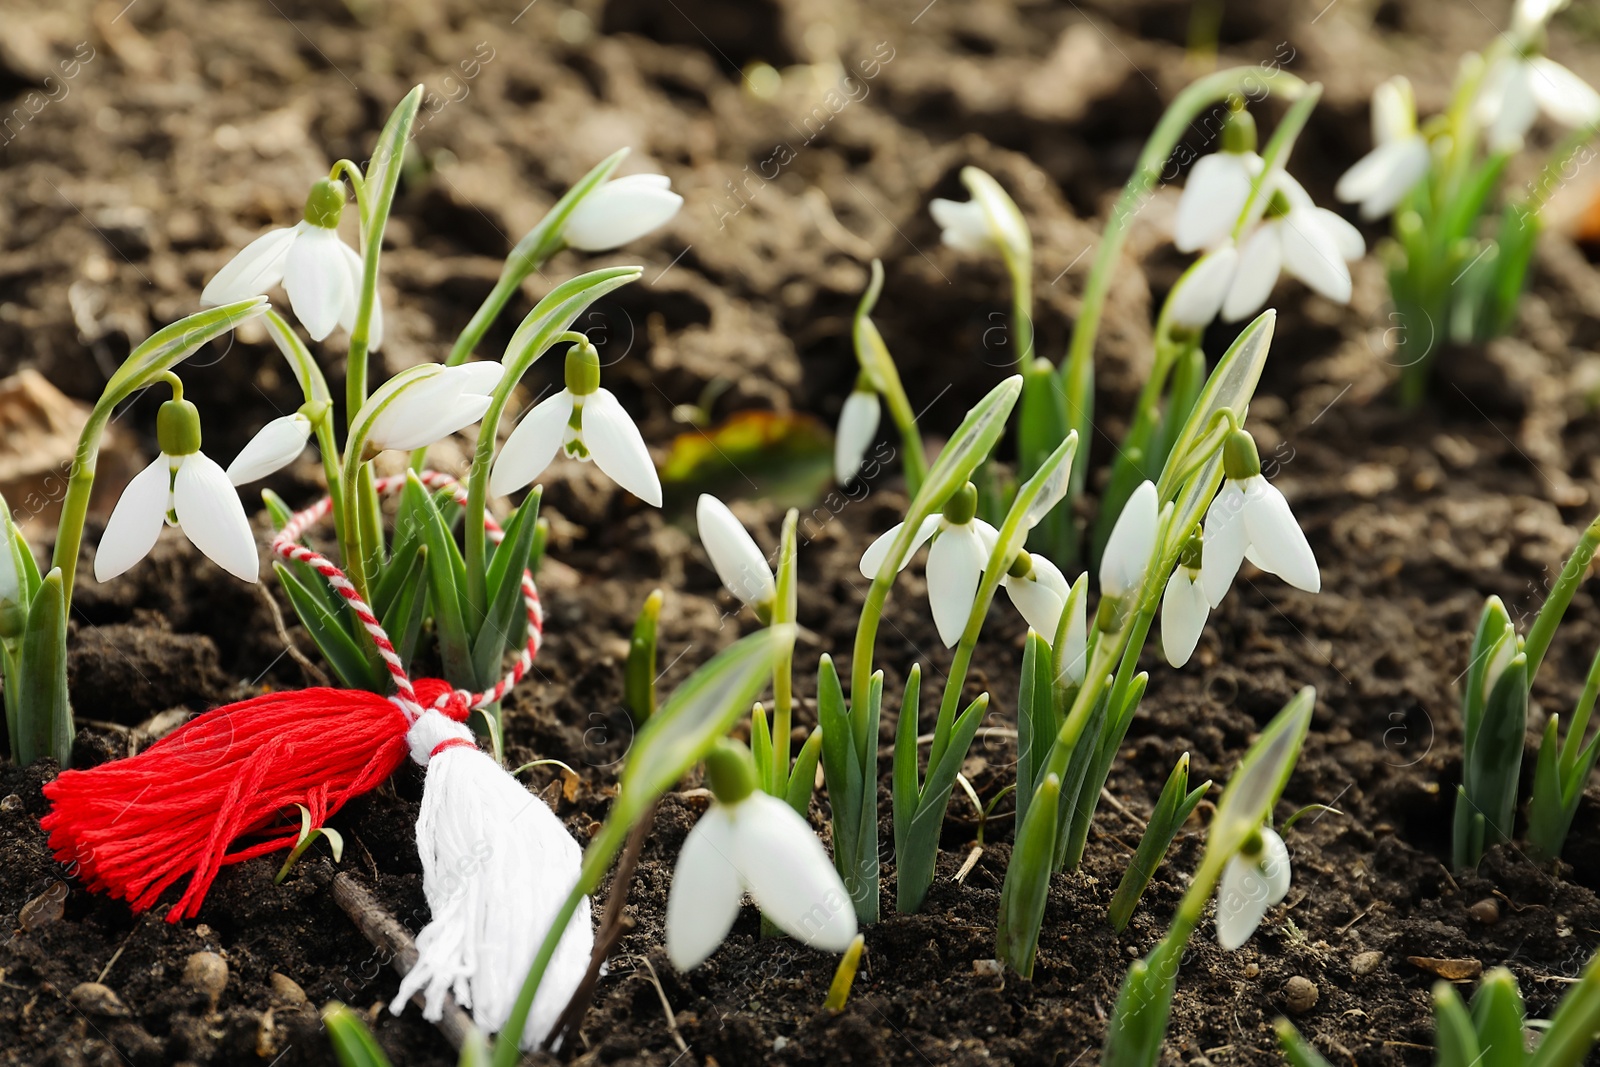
x,y
1166,819
803,779
1575,1023
408,606
1027,883
1261,775
1497,1015
44,717
700,712
352,1042
1296,1049
510,559
907,782
760,743
446,594
1139,1021
639,676
383,172
1036,719
1455,1040
915,862
348,660
838,753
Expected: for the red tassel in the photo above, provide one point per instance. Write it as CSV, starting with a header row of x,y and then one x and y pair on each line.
x,y
135,827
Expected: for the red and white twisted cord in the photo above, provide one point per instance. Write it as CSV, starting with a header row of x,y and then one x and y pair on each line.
x,y
287,544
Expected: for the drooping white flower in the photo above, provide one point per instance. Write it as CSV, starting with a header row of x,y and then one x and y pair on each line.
x,y
1132,540
433,405
622,210
1213,197
988,223
749,841
734,554
1250,885
585,422
1399,158
1518,86
1038,590
185,488
858,428
1184,606
10,576
321,274
1295,236
275,446
961,546
1530,16
1250,518
1198,296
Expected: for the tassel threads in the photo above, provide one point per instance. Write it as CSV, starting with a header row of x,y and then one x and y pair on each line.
x,y
496,867
134,828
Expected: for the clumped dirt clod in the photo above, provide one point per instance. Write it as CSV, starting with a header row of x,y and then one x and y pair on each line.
x,y
186,128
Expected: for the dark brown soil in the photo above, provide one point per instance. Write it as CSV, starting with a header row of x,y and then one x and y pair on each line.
x,y
186,127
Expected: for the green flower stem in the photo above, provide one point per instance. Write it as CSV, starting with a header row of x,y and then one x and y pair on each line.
x,y
874,358
1077,372
75,506
784,610
347,171
1021,272
477,554
1555,605
1276,154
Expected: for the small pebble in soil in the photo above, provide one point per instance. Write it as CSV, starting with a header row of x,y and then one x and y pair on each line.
x,y
286,991
94,999
207,974
44,909
986,968
1364,963
1485,911
1300,994
11,804
780,1043
1252,970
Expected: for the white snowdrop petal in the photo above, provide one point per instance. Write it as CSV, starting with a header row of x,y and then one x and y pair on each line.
x,y
963,225
618,212
1394,110
1511,105
136,521
1242,902
789,874
347,317
735,556
532,445
1561,94
1347,240
873,559
1075,659
1368,176
1200,292
1276,538
955,566
706,889
1183,616
1132,540
1260,261
618,448
1311,254
275,446
1036,602
212,516
1224,542
1408,161
257,267
858,428
1214,194
1274,865
317,280
988,536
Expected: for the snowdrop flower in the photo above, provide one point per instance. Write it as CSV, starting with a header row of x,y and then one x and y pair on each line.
x,y
321,274
1218,187
1184,606
621,210
1132,540
961,546
1399,158
432,406
858,428
735,556
1198,296
586,423
275,446
1309,242
1251,519
1530,16
1254,880
988,223
1518,86
185,488
750,841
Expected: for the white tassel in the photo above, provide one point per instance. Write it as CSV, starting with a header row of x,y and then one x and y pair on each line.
x,y
496,866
